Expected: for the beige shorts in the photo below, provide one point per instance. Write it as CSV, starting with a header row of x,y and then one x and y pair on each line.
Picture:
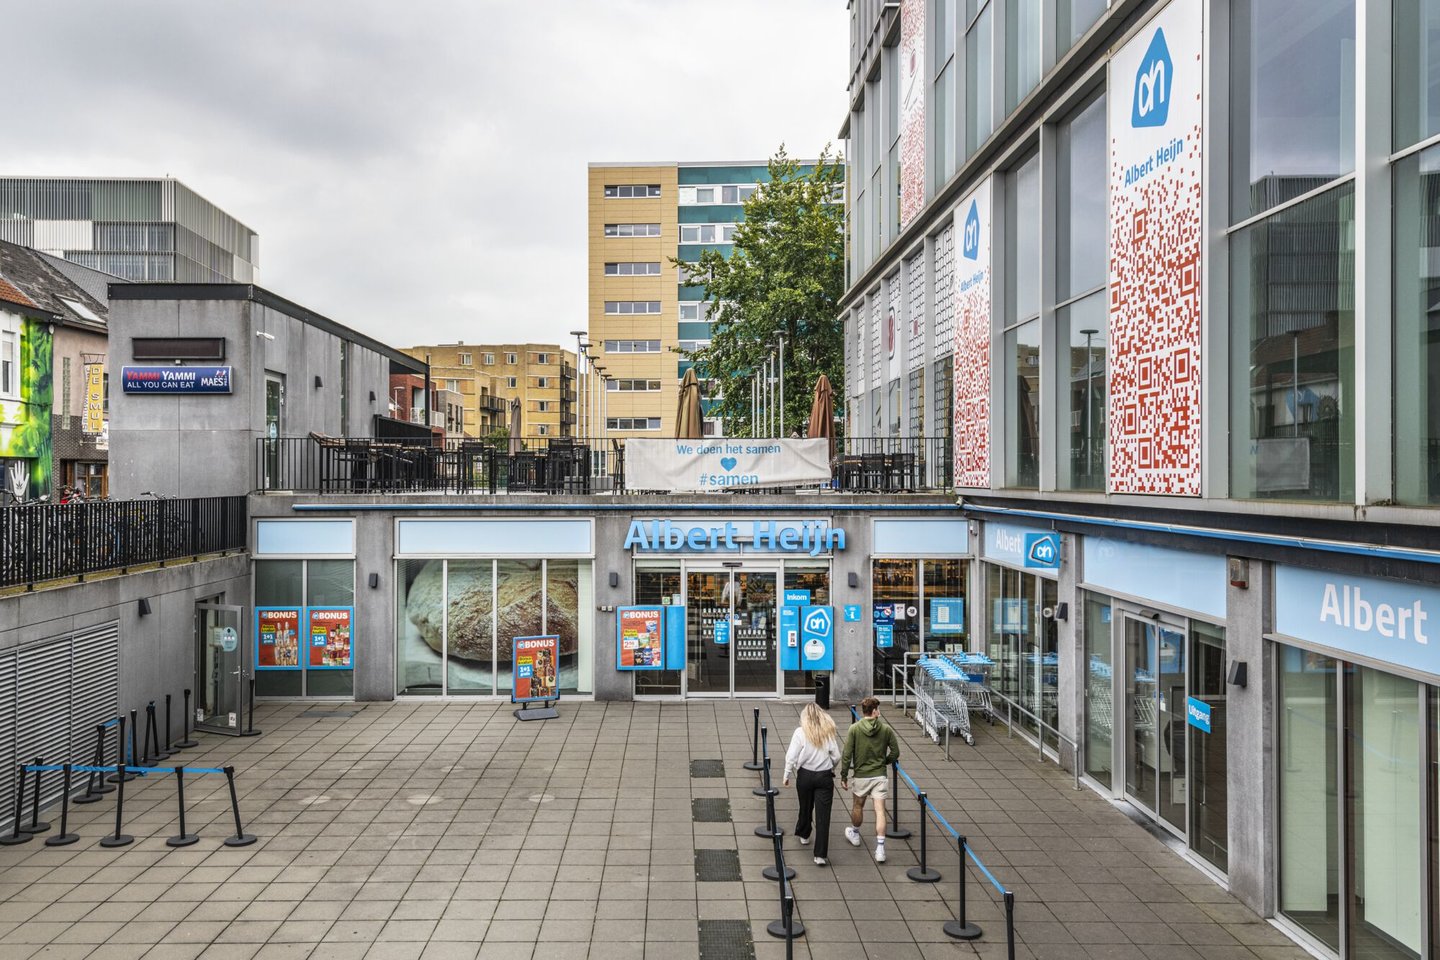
x,y
877,787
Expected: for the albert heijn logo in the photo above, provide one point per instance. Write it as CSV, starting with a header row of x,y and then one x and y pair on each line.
x,y
1042,551
970,241
1153,82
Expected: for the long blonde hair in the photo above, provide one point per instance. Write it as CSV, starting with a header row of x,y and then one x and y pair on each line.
x,y
819,726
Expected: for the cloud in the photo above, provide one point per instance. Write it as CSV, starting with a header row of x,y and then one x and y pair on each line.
x,y
417,170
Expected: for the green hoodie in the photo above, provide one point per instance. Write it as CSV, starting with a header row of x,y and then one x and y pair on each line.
x,y
871,746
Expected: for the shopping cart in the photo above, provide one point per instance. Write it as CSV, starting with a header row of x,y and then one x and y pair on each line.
x,y
940,695
976,667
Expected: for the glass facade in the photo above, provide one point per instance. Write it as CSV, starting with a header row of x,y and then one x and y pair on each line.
x,y
1023,47
302,583
1099,691
979,68
1417,328
923,620
1024,643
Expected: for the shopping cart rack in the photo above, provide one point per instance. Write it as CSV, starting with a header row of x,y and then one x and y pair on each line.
x,y
976,667
941,702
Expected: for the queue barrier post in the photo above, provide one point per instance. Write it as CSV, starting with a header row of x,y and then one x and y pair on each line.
x,y
181,839
1010,924
167,750
961,928
250,730
789,924
241,838
922,873
16,835
769,827
187,743
121,768
775,833
785,927
764,759
894,831
754,763
64,837
146,760
95,785
119,839
133,760
36,825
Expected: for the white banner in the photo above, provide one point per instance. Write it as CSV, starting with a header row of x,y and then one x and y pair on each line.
x,y
701,465
912,110
970,294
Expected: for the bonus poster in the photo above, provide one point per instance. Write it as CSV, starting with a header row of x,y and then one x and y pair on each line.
x,y
277,644
639,638
536,674
330,630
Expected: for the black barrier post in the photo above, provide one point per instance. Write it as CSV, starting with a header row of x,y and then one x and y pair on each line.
x,y
95,785
120,765
167,750
250,730
771,793
16,836
789,924
764,760
754,763
181,839
134,759
36,825
894,831
782,928
773,873
922,873
187,743
961,928
119,839
64,837
241,838
152,738
1010,924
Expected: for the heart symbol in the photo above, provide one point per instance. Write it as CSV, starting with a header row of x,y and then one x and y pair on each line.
x,y
728,463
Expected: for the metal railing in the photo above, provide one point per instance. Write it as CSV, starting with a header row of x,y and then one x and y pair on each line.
x,y
55,541
893,464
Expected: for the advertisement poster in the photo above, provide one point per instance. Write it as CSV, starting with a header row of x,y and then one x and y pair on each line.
x,y
639,638
701,465
912,109
1155,113
884,613
972,336
329,630
175,379
94,424
536,669
277,644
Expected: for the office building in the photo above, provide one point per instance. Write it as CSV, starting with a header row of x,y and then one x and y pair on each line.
x,y
488,376
143,229
1165,274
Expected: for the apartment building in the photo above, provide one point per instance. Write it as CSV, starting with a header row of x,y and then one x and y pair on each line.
x,y
486,377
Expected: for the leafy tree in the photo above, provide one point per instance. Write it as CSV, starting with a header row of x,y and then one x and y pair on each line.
x,y
784,278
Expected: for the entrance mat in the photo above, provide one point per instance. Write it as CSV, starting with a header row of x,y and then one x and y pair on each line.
x,y
726,940
717,866
710,810
329,714
707,768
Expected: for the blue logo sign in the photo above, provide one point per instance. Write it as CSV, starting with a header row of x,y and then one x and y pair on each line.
x,y
1042,551
817,638
175,379
1151,107
970,242
852,613
796,598
884,635
818,621
1197,714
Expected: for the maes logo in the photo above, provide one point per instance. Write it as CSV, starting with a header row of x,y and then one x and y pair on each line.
x,y
1152,85
970,243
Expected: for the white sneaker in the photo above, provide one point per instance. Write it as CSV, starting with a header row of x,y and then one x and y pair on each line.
x,y
853,836
804,841
880,852
821,862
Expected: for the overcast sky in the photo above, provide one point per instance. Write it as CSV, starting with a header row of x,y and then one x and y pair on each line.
x,y
414,168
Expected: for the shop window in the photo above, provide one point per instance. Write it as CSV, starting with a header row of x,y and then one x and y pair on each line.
x,y
1024,644
658,584
303,584
1417,329
919,605
1209,800
1099,691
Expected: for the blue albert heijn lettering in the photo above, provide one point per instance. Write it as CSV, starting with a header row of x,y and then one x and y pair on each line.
x,y
971,240
809,536
1153,83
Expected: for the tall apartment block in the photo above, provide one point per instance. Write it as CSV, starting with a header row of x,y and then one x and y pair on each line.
x,y
487,376
640,316
154,229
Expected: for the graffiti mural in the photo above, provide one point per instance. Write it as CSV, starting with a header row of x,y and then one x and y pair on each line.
x,y
25,424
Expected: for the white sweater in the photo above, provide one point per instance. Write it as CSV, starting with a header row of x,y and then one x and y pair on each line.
x,y
803,753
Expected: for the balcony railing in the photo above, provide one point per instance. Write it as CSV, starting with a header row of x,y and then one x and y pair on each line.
x,y
55,541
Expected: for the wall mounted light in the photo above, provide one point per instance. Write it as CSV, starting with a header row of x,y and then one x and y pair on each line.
x,y
144,606
374,580
372,396
1239,674
264,336
853,580
1062,611
318,382
614,579
1238,570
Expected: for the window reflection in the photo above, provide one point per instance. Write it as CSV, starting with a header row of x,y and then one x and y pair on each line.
x,y
1417,328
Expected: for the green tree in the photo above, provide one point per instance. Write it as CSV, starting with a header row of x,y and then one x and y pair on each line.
x,y
784,278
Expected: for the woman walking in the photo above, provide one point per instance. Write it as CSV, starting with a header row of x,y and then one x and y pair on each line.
x,y
814,751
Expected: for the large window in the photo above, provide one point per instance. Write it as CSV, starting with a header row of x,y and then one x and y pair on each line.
x,y
632,346
925,604
1024,643
1416,65
301,583
1309,840
1292,346
1293,99
943,106
1417,328
650,268
1022,50
1022,322
632,191
632,229
1099,691
1073,18
624,307
979,68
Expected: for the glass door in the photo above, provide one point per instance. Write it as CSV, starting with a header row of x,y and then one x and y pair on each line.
x,y
274,410
707,632
1155,688
731,632
753,641
219,662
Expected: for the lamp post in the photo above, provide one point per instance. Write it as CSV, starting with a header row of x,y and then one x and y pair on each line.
x,y
605,400
1089,367
780,353
579,336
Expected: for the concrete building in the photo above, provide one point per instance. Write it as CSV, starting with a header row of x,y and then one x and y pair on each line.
x,y
1165,273
488,376
142,229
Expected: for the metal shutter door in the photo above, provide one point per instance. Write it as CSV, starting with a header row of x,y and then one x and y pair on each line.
x,y
95,687
43,716
8,700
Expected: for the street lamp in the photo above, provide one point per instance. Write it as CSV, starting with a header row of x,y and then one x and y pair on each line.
x,y
1089,367
579,336
780,347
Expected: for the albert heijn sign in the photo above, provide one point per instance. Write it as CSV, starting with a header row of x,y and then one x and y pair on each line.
x,y
1391,621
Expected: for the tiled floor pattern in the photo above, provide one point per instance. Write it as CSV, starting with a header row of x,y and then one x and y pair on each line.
x,y
428,831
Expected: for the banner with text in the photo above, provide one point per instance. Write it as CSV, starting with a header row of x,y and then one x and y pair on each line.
x,y
278,638
970,294
700,465
94,399
1155,114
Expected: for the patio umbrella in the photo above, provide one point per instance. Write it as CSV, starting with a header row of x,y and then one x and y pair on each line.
x,y
515,442
822,413
689,425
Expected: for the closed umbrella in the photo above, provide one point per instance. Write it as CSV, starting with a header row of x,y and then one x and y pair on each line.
x,y
688,423
822,413
515,442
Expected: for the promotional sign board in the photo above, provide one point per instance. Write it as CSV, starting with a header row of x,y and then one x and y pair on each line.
x,y
94,399
277,635
972,332
639,643
1154,364
817,638
884,635
790,628
160,379
331,642
535,673
701,465
947,616
1197,714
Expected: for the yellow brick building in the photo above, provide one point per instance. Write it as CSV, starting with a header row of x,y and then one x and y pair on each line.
x,y
488,376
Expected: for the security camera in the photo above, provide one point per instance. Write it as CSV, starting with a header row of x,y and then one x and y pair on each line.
x,y
264,335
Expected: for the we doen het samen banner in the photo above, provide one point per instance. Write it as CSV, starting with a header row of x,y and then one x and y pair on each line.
x,y
700,465
536,673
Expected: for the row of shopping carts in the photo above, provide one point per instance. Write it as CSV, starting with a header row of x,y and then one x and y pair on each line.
x,y
948,689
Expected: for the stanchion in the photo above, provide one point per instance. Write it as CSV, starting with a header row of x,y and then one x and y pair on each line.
x,y
64,837
120,765
764,758
36,825
16,836
166,751
119,839
187,743
241,838
1010,924
922,873
250,730
773,873
754,763
152,738
785,926
770,827
960,928
95,785
182,839
789,924
894,831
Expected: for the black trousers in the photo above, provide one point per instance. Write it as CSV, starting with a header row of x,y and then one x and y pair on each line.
x,y
817,793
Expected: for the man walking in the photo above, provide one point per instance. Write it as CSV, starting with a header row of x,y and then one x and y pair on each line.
x,y
870,747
